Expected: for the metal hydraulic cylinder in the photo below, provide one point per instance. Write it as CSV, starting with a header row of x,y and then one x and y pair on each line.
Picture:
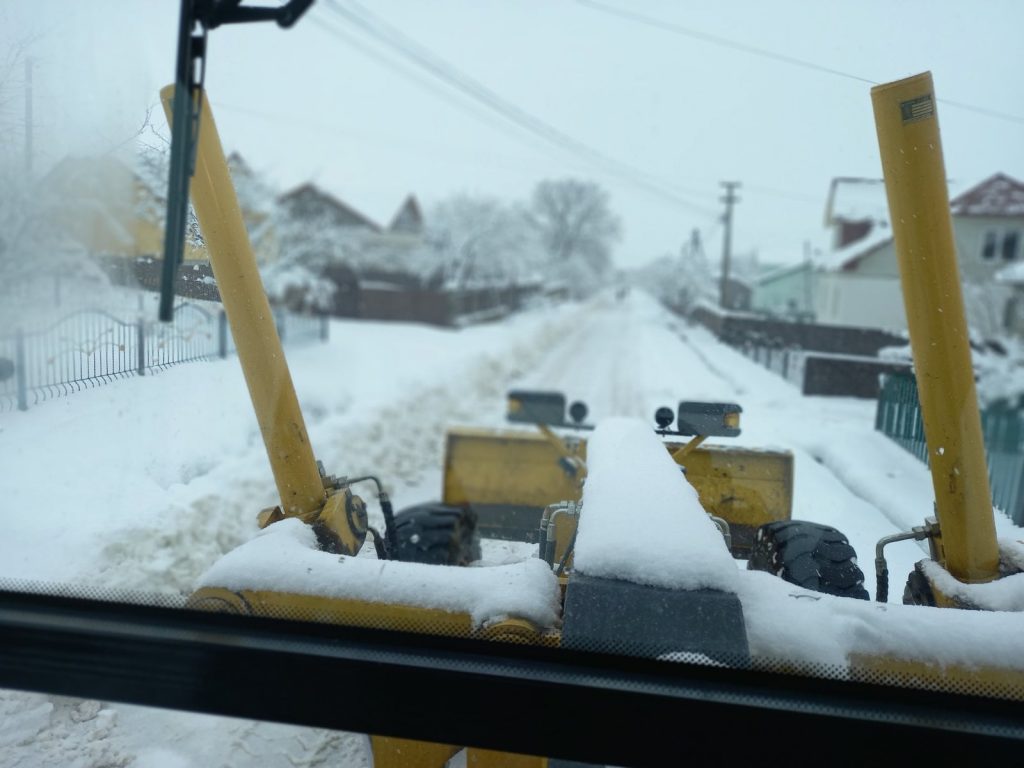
x,y
915,182
252,323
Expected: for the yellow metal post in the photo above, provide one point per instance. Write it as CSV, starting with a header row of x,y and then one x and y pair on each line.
x,y
915,182
252,323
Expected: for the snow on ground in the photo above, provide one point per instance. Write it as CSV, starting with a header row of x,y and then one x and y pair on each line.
x,y
145,483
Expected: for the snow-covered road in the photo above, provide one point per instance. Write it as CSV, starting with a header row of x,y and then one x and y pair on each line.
x,y
143,484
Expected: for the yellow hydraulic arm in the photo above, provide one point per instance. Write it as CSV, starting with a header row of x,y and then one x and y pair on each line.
x,y
915,182
296,474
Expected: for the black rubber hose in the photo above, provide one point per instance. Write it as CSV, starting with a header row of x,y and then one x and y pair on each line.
x,y
881,580
390,534
378,544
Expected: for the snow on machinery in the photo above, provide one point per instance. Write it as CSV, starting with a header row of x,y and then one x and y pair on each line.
x,y
510,479
598,587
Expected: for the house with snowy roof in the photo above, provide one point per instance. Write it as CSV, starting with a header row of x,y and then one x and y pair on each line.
x,y
857,281
786,291
108,207
112,208
856,211
325,233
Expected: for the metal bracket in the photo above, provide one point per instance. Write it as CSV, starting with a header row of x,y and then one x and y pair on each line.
x,y
190,73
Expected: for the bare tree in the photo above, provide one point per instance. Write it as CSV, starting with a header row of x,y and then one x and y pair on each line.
x,y
577,229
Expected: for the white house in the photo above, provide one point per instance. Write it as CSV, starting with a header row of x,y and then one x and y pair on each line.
x,y
858,281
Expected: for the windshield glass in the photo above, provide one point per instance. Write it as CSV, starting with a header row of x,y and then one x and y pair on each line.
x,y
653,329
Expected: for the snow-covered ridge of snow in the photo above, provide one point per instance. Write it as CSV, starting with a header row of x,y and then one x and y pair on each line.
x,y
641,520
1003,594
284,558
792,625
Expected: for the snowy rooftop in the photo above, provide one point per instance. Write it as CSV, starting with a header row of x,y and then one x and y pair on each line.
x,y
998,195
845,257
856,199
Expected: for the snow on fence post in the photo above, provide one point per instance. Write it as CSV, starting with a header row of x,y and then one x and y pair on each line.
x,y
222,334
19,370
140,345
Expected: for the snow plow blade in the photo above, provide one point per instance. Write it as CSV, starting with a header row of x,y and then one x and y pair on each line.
x,y
508,478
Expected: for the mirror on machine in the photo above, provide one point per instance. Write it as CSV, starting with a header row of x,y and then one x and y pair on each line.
x,y
536,407
709,419
544,407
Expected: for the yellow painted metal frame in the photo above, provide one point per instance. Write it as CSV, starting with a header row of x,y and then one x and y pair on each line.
x,y
915,182
743,486
365,613
492,467
252,323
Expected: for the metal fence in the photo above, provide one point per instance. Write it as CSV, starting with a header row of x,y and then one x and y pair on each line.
x,y
787,362
89,348
899,417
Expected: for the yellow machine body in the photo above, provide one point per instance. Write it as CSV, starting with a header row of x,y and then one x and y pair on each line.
x,y
301,488
915,182
509,477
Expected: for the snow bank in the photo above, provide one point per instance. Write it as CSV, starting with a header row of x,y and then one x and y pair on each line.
x,y
285,558
642,520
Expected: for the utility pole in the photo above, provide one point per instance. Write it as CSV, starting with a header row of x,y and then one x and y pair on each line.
x,y
808,276
730,199
28,118
696,247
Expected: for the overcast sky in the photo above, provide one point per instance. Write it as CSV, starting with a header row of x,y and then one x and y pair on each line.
x,y
644,105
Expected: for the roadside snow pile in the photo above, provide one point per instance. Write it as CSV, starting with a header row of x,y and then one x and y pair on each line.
x,y
998,366
1000,370
641,519
284,558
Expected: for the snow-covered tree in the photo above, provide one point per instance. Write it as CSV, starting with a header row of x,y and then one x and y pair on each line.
x,y
36,251
481,241
682,280
577,228
985,305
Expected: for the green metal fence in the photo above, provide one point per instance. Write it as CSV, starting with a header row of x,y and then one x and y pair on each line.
x,y
899,417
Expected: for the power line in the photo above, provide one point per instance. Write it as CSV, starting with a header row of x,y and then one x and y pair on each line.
x,y
785,193
668,26
505,162
410,74
390,36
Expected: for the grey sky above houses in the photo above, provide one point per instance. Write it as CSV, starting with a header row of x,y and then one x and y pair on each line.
x,y
658,105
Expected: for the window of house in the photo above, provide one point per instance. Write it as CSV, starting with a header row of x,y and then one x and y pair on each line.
x,y
1010,245
988,250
